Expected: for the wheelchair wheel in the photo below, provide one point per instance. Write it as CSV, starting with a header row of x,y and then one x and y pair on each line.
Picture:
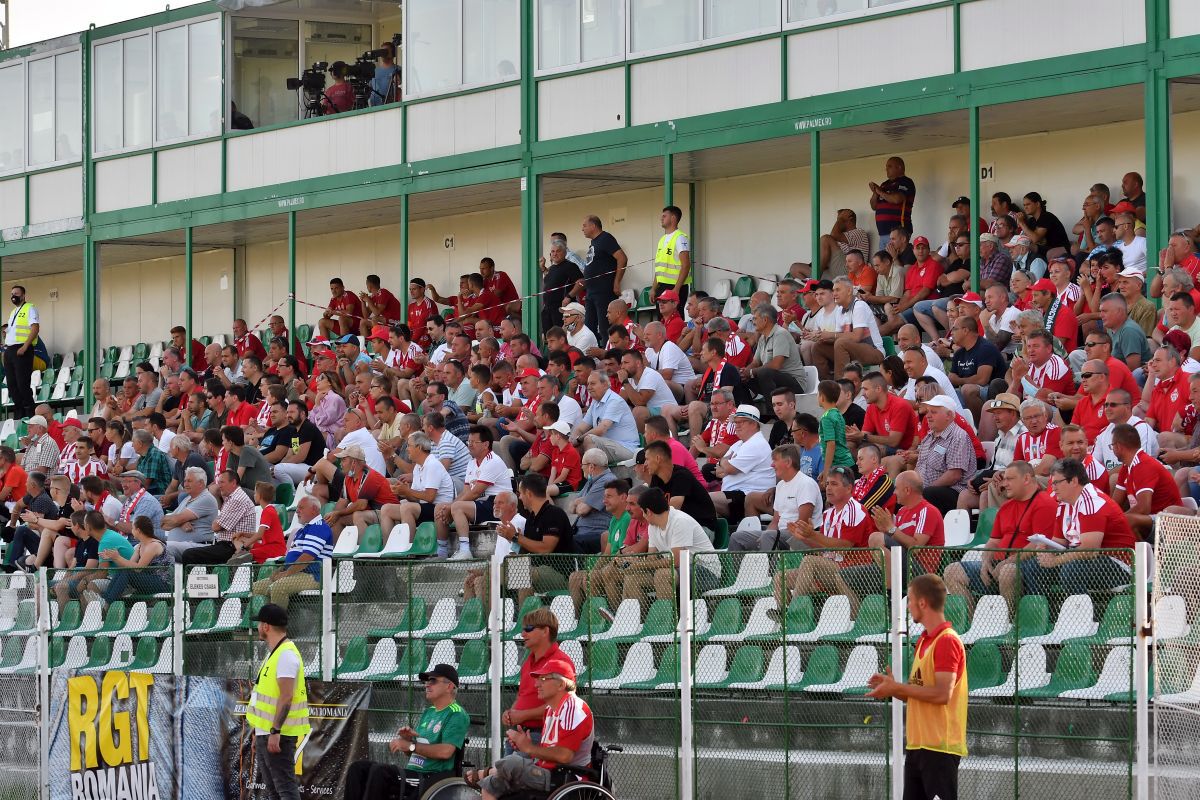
x,y
582,790
451,789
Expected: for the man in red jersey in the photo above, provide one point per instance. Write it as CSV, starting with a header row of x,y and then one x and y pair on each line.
x,y
419,311
1144,486
1087,520
1040,371
1170,393
890,422
1074,445
501,287
343,314
246,343
380,307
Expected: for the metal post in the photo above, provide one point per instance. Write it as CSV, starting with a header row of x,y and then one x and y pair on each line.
x,y
42,602
973,148
328,643
899,629
1158,166
404,278
814,191
90,297
531,247
177,622
496,634
187,291
687,758
668,179
1141,665
292,272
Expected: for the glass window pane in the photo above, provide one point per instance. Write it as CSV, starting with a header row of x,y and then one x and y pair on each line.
x,y
12,121
204,78
335,41
41,111
433,48
731,17
491,41
558,33
266,52
137,94
659,24
603,29
170,84
106,99
68,103
800,10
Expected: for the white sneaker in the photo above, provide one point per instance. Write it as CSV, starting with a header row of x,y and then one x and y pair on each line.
x,y
461,555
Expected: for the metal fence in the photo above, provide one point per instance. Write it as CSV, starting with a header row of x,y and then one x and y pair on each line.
x,y
1176,658
755,687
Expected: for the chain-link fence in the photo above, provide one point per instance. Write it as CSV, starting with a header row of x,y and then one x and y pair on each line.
x,y
20,744
1176,658
1050,640
617,619
394,620
783,646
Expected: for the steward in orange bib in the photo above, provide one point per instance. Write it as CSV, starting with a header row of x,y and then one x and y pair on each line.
x,y
936,697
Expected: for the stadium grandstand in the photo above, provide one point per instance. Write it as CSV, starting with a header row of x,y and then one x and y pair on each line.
x,y
639,398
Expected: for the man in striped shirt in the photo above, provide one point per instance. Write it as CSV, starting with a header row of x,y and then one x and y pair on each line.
x,y
311,545
236,516
85,463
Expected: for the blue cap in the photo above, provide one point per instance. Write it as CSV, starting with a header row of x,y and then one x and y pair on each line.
x,y
349,338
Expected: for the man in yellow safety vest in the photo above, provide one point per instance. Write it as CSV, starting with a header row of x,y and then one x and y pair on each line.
x,y
278,708
672,258
23,329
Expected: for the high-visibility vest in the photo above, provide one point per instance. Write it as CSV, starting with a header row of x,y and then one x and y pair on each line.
x,y
21,323
941,728
264,702
666,260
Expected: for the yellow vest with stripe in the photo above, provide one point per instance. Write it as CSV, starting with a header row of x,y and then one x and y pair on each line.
x,y
666,260
942,729
21,323
260,711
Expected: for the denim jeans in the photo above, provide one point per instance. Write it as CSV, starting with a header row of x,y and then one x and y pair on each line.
x,y
278,770
142,583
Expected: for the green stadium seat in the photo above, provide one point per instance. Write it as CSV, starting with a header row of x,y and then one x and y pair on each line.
x,y
666,674
822,667
1073,670
660,620
141,352
371,540
424,543
412,662
748,667
355,657
1116,624
872,620
985,667
474,663
743,287
889,346
472,621
591,621
983,528
101,653
721,539
304,332
726,620
56,654
285,493
252,608
603,662
14,651
145,656
414,618
957,613
69,618
26,619
204,617
1033,619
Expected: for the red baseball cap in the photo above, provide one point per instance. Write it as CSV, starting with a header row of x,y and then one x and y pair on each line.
x,y
72,422
379,332
669,294
530,372
1045,285
920,240
972,298
1179,340
1123,207
557,664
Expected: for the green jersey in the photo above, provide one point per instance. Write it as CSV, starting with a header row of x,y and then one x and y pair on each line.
x,y
448,726
833,429
616,533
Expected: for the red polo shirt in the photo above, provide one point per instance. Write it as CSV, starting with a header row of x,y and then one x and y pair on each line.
x,y
249,345
347,303
897,415
1089,415
391,306
1167,400
569,459
1145,474
924,518
418,313
501,286
674,325
555,660
1119,377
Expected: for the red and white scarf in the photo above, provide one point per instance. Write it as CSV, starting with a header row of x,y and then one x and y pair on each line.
x,y
131,504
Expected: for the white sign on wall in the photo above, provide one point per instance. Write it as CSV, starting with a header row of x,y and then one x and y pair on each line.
x,y
987,172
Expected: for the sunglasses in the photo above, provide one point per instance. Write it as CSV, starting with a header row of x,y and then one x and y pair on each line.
x,y
532,628
1093,344
1085,375
1113,404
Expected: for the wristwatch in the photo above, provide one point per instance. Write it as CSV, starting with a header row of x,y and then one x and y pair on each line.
x,y
275,731
412,747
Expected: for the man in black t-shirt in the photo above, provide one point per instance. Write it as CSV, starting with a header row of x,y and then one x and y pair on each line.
x,y
557,278
276,441
604,268
682,489
547,531
977,367
307,445
39,505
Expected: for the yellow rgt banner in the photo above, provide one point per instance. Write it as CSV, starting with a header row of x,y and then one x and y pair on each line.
x,y
109,727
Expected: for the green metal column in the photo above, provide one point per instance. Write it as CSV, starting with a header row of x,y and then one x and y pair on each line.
x,y
669,179
973,148
90,276
90,297
187,289
814,192
292,271
1157,96
531,245
404,256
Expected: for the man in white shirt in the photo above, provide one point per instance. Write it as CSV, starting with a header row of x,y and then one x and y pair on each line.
x,y
671,531
910,336
999,319
665,356
578,334
431,486
746,466
487,476
916,366
646,391
824,324
1118,410
796,496
858,338
1132,246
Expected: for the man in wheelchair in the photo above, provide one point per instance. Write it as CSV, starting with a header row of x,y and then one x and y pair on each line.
x,y
434,748
566,742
